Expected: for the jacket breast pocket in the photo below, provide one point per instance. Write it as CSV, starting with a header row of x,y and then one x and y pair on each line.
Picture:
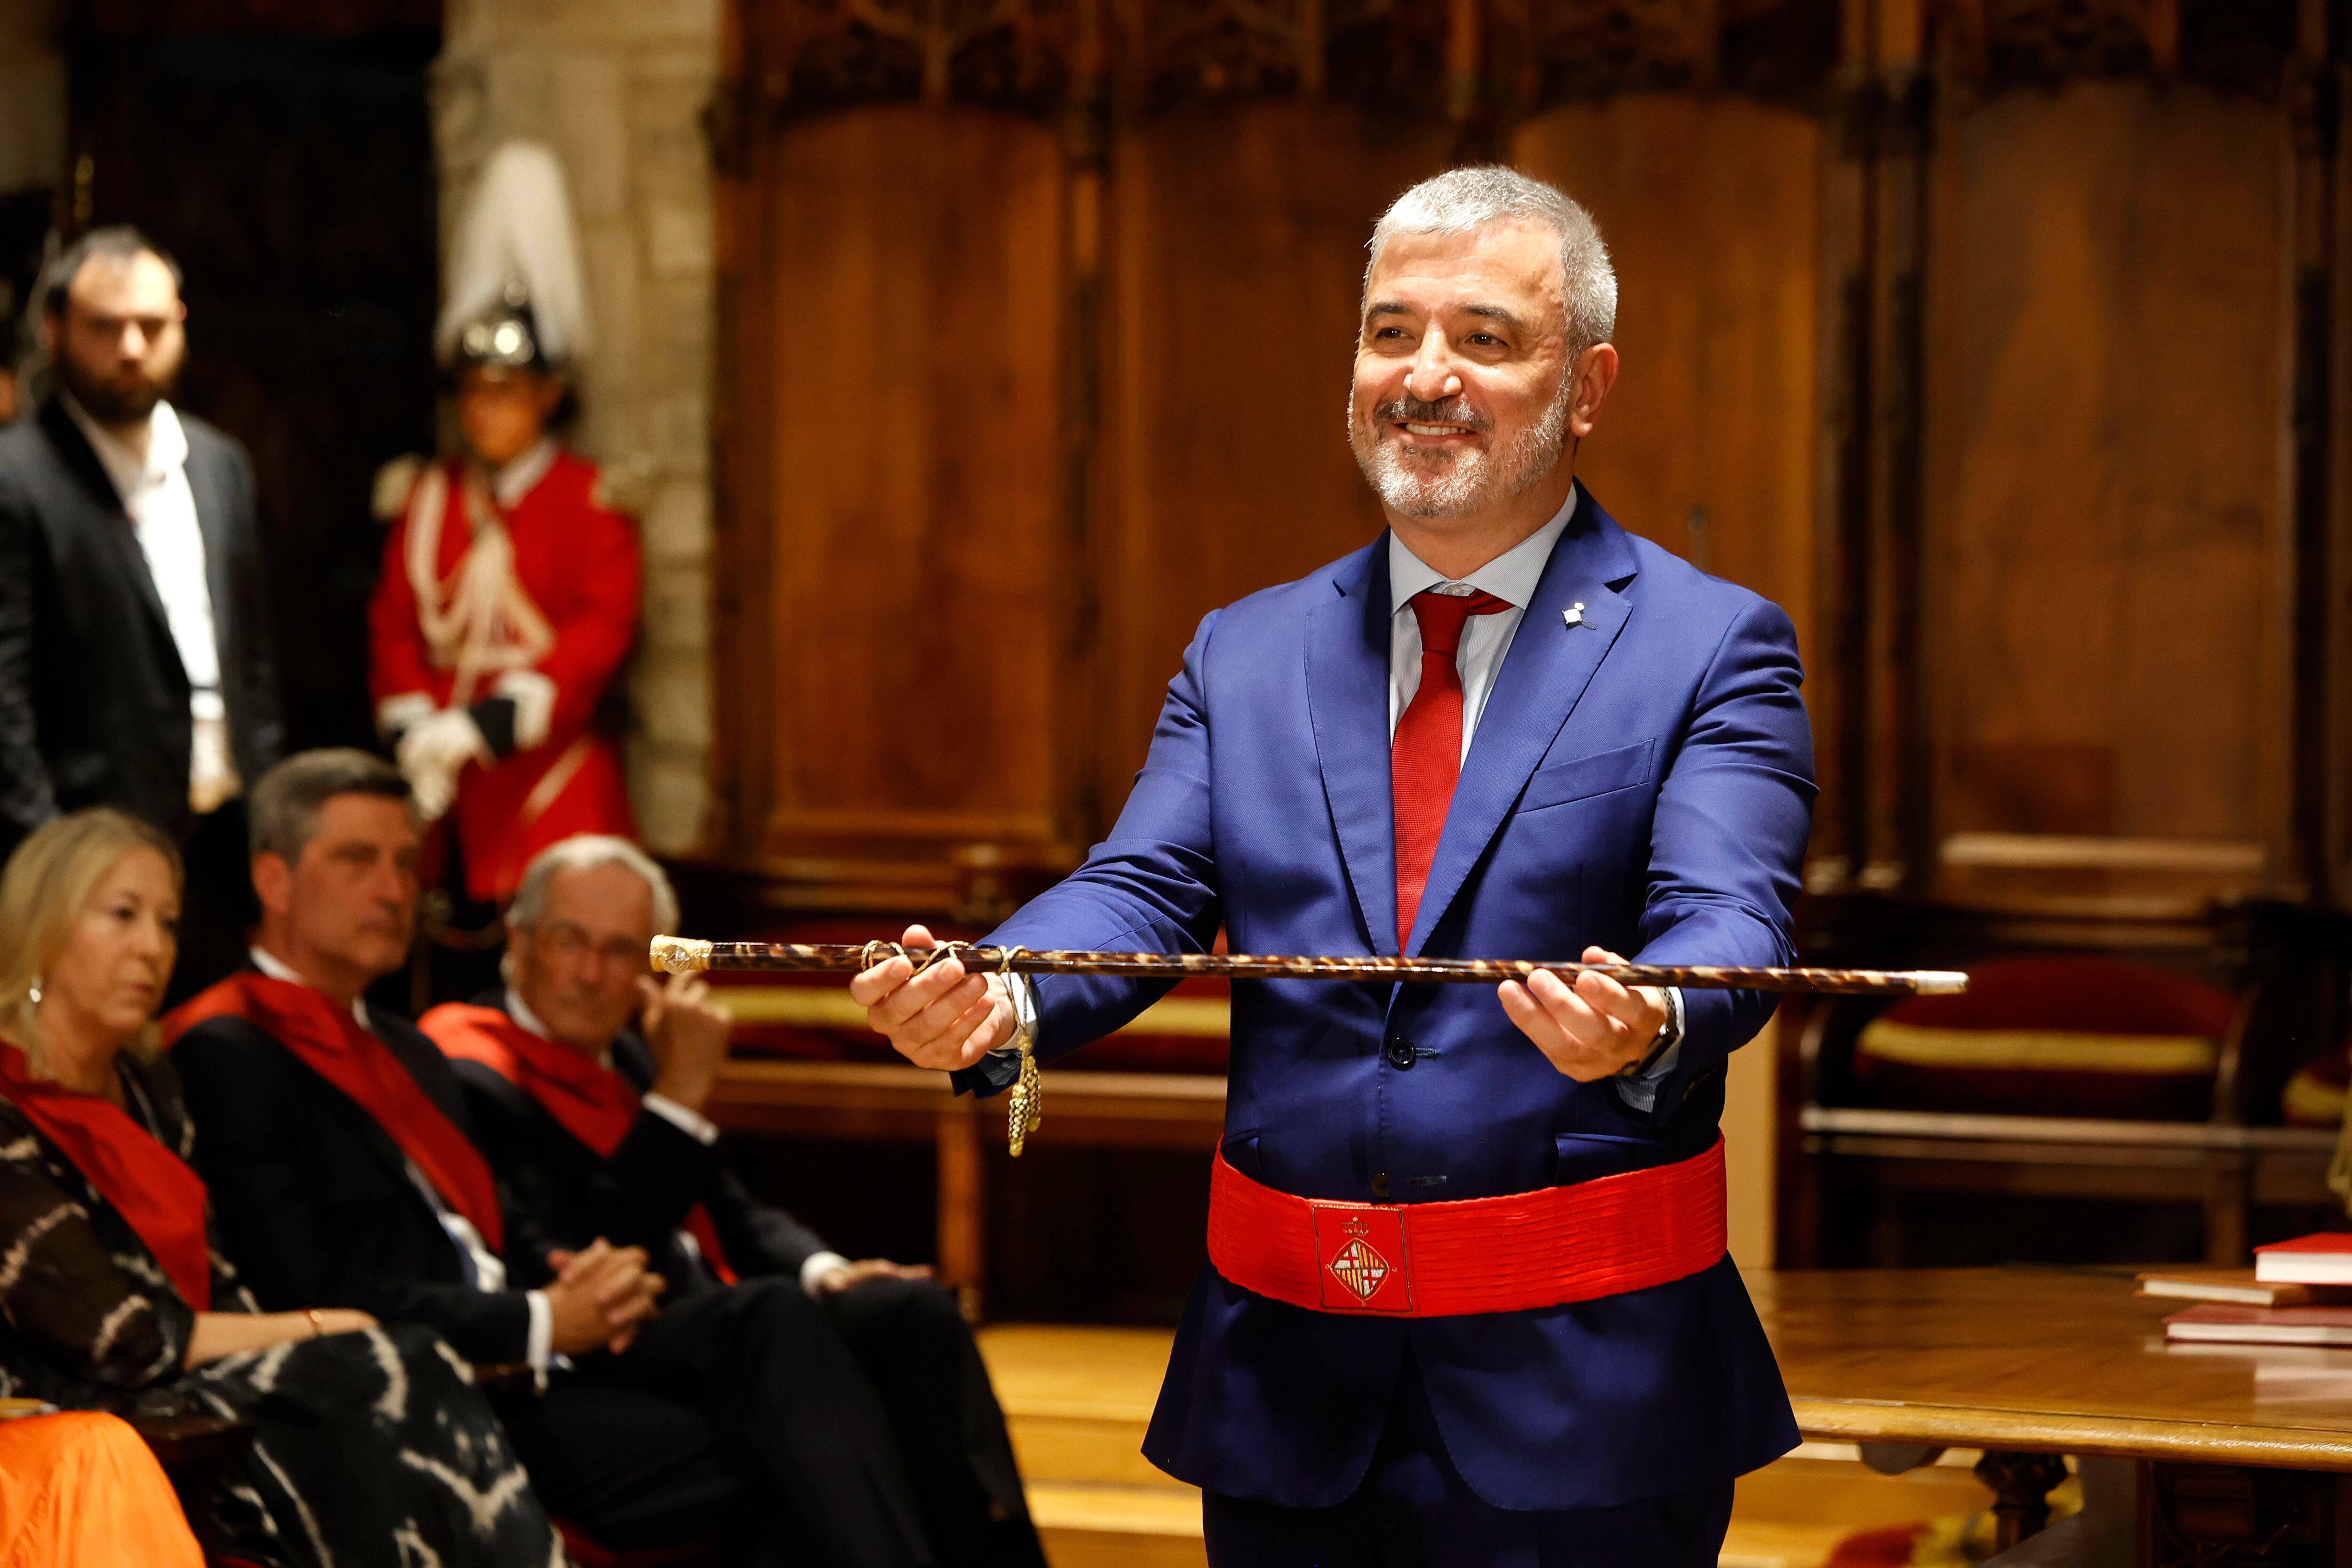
x,y
1581,778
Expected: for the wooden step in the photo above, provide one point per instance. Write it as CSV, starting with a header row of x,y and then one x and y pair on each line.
x,y
1092,1524
1077,1400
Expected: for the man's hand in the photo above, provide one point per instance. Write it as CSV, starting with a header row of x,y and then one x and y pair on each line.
x,y
849,1276
599,1297
1590,1030
941,1018
687,1029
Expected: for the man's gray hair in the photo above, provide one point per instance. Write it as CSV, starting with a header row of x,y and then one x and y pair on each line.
x,y
585,852
1462,200
283,810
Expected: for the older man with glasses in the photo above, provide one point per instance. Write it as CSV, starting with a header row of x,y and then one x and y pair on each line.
x,y
587,1083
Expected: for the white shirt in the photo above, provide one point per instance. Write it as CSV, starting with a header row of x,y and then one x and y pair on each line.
x,y
693,1123
485,1270
154,492
1511,576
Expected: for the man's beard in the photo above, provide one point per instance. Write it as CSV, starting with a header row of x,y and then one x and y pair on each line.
x,y
1452,484
107,399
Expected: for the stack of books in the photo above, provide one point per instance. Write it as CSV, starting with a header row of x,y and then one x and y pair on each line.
x,y
2298,1292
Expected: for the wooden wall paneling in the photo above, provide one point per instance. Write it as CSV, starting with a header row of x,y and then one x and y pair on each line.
x,y
1893,699
2103,625
2313,90
912,487
1709,208
1236,239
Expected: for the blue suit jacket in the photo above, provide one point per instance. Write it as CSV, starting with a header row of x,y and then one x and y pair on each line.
x,y
1643,780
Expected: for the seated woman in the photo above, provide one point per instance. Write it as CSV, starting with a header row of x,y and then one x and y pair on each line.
x,y
371,1445
81,1487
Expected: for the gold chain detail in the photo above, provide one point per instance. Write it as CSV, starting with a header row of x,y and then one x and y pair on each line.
x,y
1024,1107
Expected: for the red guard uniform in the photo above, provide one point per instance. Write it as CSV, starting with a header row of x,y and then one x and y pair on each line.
x,y
536,603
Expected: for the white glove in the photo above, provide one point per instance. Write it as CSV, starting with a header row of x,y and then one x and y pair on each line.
x,y
433,752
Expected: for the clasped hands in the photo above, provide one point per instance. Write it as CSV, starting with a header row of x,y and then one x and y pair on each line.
x,y
601,1296
947,1019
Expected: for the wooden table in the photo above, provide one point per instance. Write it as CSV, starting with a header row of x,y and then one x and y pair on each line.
x,y
2245,1452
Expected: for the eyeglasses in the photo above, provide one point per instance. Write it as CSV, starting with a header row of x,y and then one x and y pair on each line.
x,y
568,943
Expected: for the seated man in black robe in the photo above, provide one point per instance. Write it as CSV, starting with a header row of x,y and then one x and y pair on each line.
x,y
344,1170
596,1128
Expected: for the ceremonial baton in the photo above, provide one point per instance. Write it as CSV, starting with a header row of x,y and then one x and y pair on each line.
x,y
678,955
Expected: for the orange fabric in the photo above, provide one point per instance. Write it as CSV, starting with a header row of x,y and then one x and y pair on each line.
x,y
594,1104
327,1041
1512,1254
151,1187
81,1487
579,562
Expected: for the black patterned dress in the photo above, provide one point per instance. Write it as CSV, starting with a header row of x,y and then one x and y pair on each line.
x,y
371,1450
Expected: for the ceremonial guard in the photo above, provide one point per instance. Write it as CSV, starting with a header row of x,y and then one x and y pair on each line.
x,y
1468,1299
508,592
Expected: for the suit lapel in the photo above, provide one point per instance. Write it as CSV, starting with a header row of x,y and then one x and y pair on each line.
x,y
1548,666
1347,703
104,511
208,484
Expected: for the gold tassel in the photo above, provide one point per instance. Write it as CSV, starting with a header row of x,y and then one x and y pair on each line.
x,y
1023,1106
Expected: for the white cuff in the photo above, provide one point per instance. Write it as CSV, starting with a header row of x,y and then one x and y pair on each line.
x,y
394,714
818,1265
700,1128
533,696
541,1343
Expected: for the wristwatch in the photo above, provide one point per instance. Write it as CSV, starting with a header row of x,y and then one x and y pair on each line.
x,y
1670,1035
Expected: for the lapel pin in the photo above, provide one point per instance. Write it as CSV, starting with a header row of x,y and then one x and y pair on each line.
x,y
1574,615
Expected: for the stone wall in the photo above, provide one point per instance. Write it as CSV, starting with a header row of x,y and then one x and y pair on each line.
x,y
617,87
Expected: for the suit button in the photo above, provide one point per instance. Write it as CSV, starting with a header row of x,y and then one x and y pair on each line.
x,y
1400,1053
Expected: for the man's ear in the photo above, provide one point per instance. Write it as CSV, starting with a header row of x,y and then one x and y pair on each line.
x,y
273,882
1594,371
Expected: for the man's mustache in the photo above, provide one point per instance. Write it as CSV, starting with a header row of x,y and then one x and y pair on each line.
x,y
1445,411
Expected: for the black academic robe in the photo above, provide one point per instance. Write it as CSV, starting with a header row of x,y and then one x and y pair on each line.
x,y
315,1203
640,1196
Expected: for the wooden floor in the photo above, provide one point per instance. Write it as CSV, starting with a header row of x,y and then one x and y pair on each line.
x,y
1077,1401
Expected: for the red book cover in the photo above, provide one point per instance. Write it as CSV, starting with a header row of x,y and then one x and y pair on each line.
x,y
2325,1259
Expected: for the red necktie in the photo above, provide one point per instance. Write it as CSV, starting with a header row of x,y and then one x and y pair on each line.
x,y
1425,757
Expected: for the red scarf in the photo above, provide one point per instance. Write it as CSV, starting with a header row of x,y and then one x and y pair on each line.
x,y
594,1104
326,1038
151,1187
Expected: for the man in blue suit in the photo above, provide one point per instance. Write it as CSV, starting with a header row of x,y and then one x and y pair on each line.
x,y
1468,1299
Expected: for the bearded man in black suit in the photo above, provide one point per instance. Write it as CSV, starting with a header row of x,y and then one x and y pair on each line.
x,y
136,669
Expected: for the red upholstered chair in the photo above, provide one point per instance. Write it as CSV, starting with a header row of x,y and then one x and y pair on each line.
x,y
2314,1096
2074,1036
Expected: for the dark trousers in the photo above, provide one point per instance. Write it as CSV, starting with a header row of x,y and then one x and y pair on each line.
x,y
1414,1510
857,1431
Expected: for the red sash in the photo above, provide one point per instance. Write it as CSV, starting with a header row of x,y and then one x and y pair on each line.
x,y
1511,1254
151,1187
594,1104
327,1039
